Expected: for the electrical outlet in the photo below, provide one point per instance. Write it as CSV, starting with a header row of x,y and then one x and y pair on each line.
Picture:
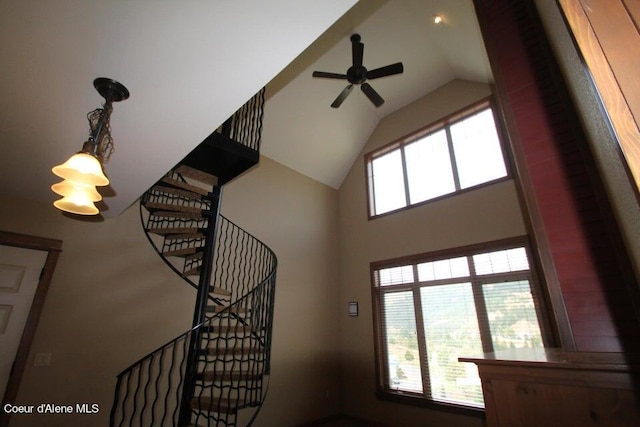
x,y
42,359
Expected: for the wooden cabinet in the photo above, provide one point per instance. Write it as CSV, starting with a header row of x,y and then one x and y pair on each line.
x,y
548,387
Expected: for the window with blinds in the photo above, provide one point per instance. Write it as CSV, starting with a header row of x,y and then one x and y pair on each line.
x,y
432,309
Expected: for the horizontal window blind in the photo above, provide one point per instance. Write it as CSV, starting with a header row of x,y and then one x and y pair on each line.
x,y
451,329
401,343
443,269
511,313
501,261
434,310
395,275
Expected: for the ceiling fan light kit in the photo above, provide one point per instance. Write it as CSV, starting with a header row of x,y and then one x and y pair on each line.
x,y
357,74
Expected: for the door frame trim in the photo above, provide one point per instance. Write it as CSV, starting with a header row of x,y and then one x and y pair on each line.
x,y
53,248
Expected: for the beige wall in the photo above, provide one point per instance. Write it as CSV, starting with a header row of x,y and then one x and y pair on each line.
x,y
112,300
296,217
482,215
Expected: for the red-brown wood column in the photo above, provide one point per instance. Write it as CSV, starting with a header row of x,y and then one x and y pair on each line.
x,y
584,263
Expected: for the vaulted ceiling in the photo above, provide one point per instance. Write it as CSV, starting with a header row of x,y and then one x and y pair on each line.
x,y
189,66
302,131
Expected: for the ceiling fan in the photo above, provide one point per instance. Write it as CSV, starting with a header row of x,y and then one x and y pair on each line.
x,y
357,74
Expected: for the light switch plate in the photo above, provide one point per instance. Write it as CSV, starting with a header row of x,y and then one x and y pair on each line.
x,y
42,359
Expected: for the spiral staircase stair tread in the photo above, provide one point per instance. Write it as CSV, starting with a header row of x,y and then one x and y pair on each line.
x,y
197,175
187,253
184,185
185,236
226,329
177,214
214,290
210,376
162,231
223,351
156,206
225,309
158,188
213,404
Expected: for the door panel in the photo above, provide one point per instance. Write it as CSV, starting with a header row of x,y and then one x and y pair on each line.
x,y
19,276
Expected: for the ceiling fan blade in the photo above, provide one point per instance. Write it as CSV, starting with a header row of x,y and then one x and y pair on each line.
x,y
329,75
372,94
357,53
343,95
389,70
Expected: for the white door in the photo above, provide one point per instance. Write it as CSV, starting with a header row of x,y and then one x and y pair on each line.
x,y
19,276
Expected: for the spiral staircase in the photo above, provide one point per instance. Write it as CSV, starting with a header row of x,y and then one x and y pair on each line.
x,y
215,374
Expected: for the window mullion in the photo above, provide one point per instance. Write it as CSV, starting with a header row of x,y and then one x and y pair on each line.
x,y
496,277
452,157
405,176
481,309
422,341
372,187
542,310
380,336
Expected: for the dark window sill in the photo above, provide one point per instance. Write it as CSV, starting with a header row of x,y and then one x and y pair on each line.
x,y
418,400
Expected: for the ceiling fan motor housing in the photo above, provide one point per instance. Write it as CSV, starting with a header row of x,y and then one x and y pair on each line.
x,y
357,75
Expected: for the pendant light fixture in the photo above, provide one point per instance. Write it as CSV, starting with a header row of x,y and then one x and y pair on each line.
x,y
84,170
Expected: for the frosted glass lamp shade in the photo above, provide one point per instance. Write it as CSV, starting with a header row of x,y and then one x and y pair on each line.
x,y
76,205
83,168
68,205
76,190
77,198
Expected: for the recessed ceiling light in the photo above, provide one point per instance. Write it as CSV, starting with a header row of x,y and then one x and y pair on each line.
x,y
437,19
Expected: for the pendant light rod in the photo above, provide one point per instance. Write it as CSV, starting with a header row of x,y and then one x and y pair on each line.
x,y
91,145
112,91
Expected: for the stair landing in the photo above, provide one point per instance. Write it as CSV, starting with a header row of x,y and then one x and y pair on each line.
x,y
223,157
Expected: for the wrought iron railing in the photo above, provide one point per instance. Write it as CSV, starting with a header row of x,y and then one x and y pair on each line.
x,y
206,375
173,232
245,126
234,349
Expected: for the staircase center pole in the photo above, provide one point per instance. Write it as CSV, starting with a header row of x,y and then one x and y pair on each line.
x,y
202,299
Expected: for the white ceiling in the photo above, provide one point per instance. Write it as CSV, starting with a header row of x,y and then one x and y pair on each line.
x,y
190,65
302,131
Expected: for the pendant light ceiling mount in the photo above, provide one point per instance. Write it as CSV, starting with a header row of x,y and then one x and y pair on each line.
x,y
111,90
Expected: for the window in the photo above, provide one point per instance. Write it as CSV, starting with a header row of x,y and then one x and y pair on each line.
x,y
456,154
433,308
